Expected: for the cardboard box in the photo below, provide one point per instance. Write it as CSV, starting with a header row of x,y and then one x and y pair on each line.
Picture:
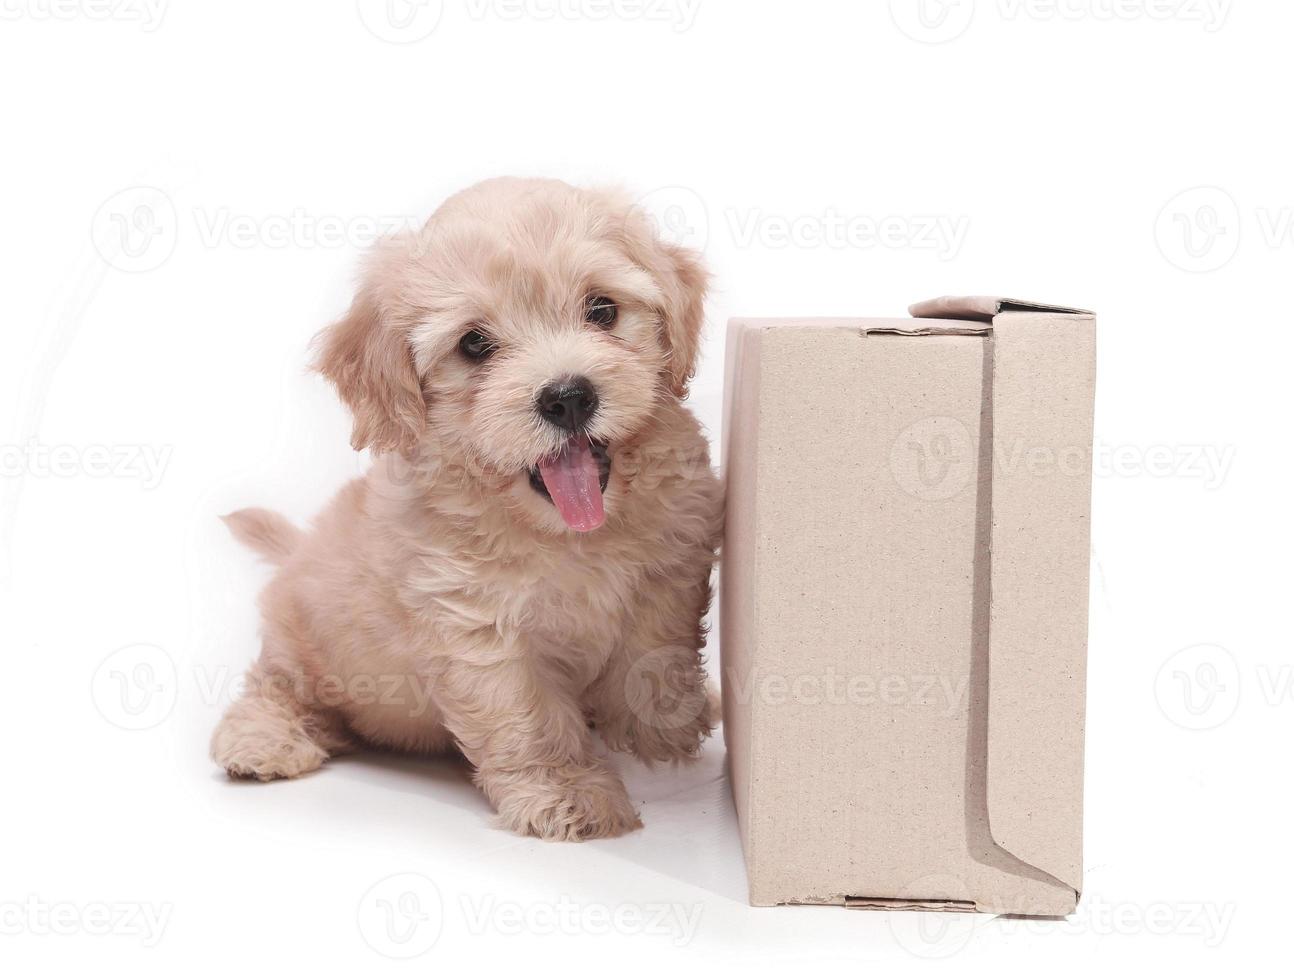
x,y
904,604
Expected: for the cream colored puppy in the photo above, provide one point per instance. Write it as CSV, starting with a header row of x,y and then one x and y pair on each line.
x,y
531,549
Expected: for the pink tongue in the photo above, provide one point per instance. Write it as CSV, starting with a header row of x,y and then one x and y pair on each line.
x,y
572,481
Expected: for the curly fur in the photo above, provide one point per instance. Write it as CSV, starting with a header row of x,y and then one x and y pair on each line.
x,y
440,602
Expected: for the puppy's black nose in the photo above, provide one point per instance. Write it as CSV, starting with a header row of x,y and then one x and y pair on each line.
x,y
569,403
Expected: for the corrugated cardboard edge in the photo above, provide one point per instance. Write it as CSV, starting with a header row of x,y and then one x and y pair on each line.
x,y
740,461
910,905
1044,364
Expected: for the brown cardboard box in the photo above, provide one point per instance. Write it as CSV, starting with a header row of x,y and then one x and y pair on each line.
x,y
904,604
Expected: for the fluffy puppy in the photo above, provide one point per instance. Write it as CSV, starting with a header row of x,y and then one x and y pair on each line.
x,y
530,551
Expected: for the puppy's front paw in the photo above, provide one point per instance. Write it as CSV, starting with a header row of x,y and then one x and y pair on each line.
x,y
657,736
570,803
668,709
680,742
252,745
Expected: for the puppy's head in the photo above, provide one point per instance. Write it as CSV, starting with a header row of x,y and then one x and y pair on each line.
x,y
527,333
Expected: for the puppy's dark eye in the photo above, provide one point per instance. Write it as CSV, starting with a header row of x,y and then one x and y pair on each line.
x,y
602,311
475,346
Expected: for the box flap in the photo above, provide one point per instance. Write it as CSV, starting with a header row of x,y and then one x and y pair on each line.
x,y
983,308
1042,394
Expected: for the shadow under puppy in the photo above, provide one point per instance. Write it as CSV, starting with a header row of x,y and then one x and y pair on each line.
x,y
531,548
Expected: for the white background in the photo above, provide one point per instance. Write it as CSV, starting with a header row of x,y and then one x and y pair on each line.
x,y
831,158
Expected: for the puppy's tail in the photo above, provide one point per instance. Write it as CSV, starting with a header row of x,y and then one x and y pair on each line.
x,y
271,535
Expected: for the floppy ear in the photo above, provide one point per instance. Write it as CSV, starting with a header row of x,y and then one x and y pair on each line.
x,y
684,282
681,276
368,359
